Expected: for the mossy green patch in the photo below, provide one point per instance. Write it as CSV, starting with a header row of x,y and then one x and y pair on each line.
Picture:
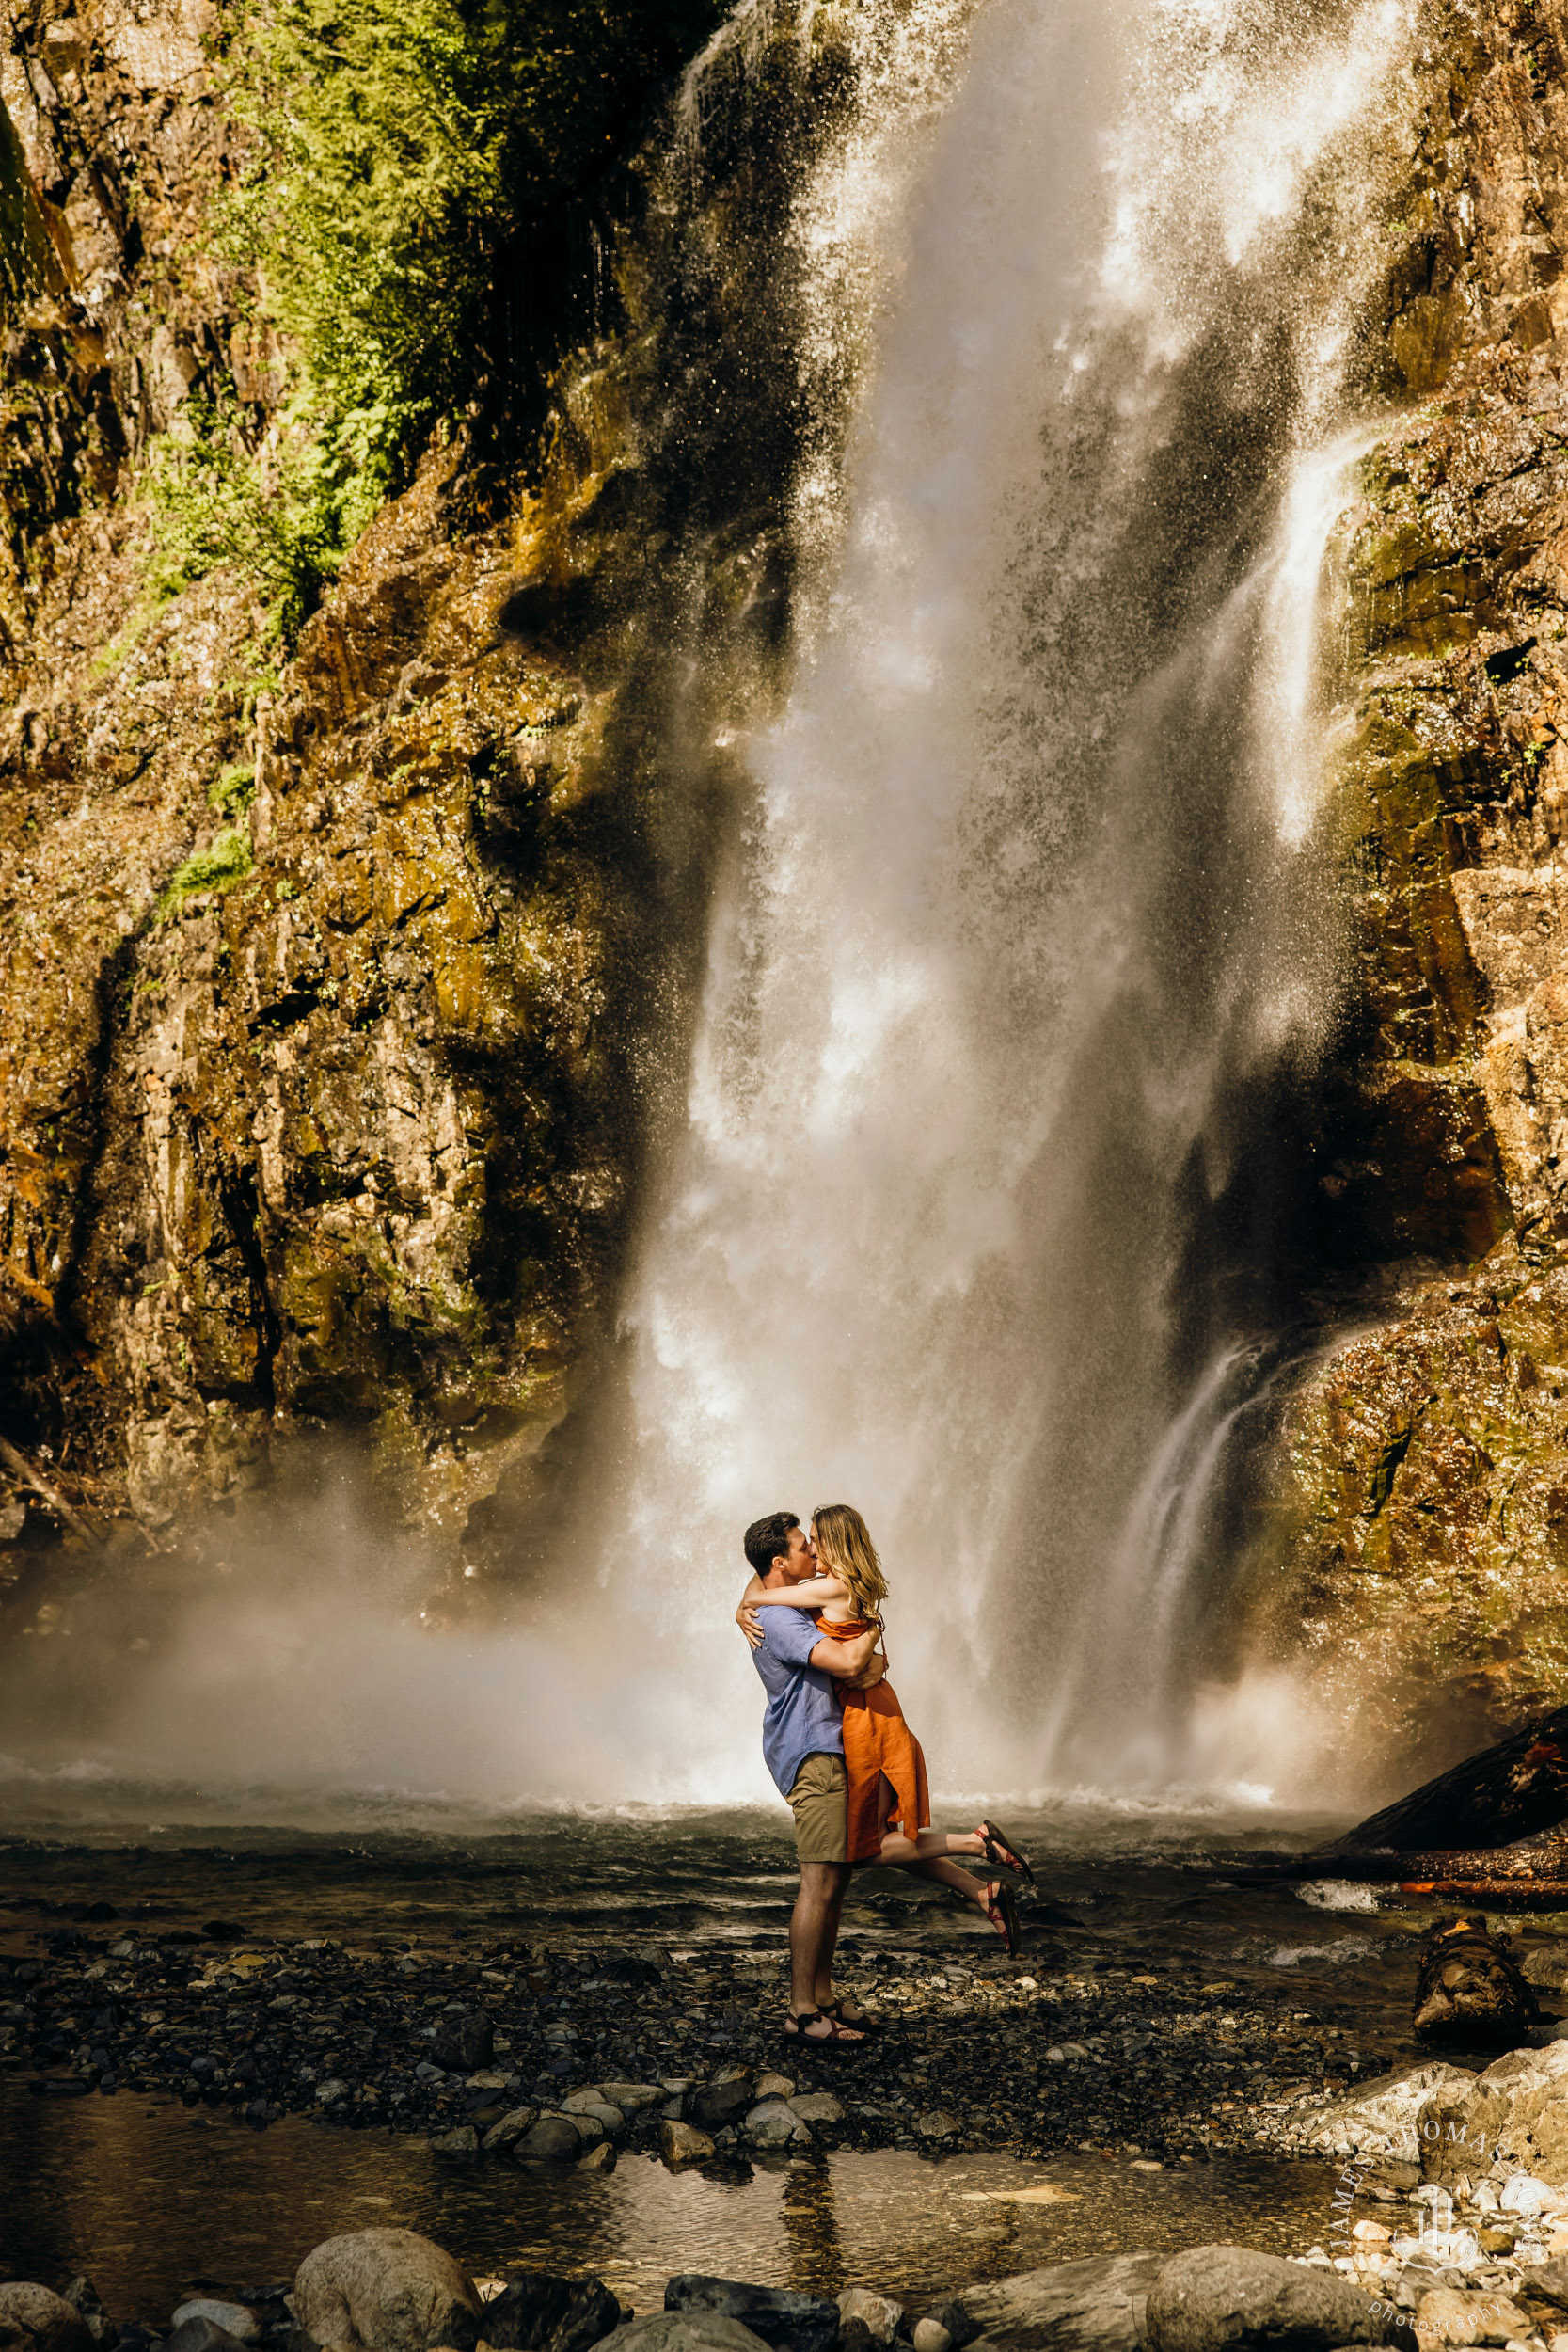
x,y
224,861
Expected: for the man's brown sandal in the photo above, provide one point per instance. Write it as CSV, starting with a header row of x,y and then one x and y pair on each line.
x,y
838,2038
861,2021
1002,1853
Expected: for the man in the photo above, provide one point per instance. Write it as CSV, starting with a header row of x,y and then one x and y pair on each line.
x,y
802,1741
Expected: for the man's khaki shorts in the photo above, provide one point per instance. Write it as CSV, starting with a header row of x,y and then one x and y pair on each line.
x,y
819,1803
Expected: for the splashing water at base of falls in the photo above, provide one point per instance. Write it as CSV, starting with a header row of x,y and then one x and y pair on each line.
x,y
1027,914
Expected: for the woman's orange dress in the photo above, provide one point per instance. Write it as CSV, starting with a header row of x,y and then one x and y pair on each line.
x,y
882,1757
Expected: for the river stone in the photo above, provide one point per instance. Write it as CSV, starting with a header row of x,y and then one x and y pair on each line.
x,y
464,2041
503,2136
237,2319
538,2311
790,2322
390,2289
632,2098
599,2159
936,2123
1446,2316
1213,2296
1547,1966
817,2106
878,2313
84,2297
554,2140
722,2101
458,2146
684,2332
771,2124
201,2335
682,2143
931,2336
36,2319
1385,2116
1090,2306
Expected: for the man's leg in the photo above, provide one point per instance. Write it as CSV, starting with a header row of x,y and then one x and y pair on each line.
x,y
814,1930
819,1803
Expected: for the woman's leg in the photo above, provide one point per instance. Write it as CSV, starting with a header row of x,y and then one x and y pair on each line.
x,y
927,1844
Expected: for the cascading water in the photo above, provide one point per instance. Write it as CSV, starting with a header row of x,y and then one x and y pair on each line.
x,y
1028,912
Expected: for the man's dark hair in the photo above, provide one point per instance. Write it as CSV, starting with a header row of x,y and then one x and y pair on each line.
x,y
766,1538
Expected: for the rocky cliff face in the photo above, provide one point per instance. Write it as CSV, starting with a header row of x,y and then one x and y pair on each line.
x,y
339,980
1415,1531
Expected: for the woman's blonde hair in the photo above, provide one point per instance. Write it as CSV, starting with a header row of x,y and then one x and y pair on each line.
x,y
845,1549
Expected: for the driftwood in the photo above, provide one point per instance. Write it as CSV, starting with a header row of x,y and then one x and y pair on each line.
x,y
1469,1987
18,1463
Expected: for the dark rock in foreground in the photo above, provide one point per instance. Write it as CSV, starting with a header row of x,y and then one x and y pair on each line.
x,y
791,2322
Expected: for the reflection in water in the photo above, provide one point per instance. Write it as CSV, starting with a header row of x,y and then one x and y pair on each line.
x,y
153,2202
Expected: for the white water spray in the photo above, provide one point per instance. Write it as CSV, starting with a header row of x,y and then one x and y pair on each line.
x,y
1024,910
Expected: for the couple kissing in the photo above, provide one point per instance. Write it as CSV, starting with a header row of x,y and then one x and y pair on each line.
x,y
841,1757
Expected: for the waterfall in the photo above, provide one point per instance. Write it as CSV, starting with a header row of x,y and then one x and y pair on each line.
x,y
1030,907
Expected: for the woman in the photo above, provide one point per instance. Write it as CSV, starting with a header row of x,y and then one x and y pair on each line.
x,y
890,1811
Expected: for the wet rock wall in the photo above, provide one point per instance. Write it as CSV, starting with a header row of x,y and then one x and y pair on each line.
x,y
343,981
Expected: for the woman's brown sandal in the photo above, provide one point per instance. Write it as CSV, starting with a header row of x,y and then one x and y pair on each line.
x,y
1002,1853
1002,1912
838,2038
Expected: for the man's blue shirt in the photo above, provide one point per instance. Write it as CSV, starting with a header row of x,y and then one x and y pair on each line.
x,y
803,1715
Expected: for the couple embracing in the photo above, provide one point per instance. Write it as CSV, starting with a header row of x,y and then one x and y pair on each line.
x,y
841,1755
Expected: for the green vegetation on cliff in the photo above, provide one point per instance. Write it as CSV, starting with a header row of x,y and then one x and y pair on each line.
x,y
399,146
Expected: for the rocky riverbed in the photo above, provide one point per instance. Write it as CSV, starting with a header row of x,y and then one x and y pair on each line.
x,y
490,2046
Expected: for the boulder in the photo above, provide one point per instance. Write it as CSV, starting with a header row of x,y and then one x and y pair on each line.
x,y
790,2322
465,2040
1385,2116
36,2319
503,2136
236,2319
723,2101
390,2289
1506,1792
683,2143
554,2140
538,2311
878,2313
684,2332
1211,2297
1512,2119
1090,2306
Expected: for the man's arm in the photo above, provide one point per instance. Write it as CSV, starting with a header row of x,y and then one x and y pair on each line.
x,y
844,1661
746,1616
